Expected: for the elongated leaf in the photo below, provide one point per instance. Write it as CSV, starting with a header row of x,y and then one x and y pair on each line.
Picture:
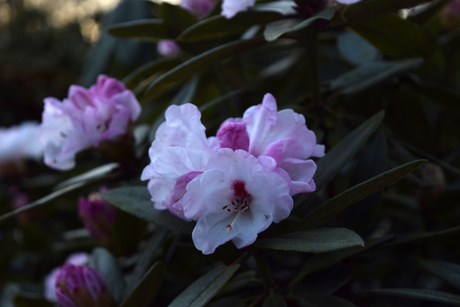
x,y
356,49
145,259
372,8
149,30
323,261
204,289
176,19
448,271
146,290
240,280
277,28
395,36
314,241
149,69
106,265
89,176
440,94
218,26
347,198
421,236
136,200
337,157
42,200
421,294
371,73
201,61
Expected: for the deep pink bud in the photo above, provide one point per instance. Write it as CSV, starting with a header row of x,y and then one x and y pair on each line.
x,y
98,216
81,286
234,136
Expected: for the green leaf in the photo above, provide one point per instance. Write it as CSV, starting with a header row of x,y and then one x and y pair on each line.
x,y
146,290
137,201
373,8
439,93
448,271
147,70
395,36
355,49
371,163
42,201
274,300
275,29
314,241
329,165
149,30
218,26
370,73
204,289
90,176
323,261
201,61
176,19
239,281
347,198
416,237
106,265
421,294
153,248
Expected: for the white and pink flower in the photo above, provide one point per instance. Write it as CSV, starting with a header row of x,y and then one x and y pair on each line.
x,y
85,119
237,183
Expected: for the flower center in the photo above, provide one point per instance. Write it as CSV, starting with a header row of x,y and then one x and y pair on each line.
x,y
240,203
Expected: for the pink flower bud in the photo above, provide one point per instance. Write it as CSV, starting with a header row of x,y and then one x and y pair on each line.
x,y
168,48
450,15
98,216
81,286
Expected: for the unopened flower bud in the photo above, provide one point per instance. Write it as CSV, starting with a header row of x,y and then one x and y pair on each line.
x,y
98,216
81,286
450,15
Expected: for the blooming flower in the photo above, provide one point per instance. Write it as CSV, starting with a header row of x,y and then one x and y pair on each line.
x,y
85,119
50,280
81,286
98,216
237,183
17,144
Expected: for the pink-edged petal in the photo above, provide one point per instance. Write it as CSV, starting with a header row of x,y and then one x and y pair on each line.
x,y
93,281
80,97
231,7
63,299
206,194
129,101
301,173
319,151
234,136
347,1
160,189
173,201
211,232
285,148
259,120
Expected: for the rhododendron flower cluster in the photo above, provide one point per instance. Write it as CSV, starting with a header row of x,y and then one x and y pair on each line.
x,y
237,183
85,119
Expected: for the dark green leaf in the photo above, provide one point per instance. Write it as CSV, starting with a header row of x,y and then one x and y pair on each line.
x,y
137,201
421,236
147,70
373,8
274,300
21,301
448,271
204,289
395,36
421,294
201,61
106,265
337,157
218,26
371,163
239,281
176,19
146,290
438,93
275,29
149,30
152,249
314,241
370,73
323,261
355,49
347,198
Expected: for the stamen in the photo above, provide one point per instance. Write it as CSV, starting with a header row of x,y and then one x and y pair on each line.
x,y
230,227
224,207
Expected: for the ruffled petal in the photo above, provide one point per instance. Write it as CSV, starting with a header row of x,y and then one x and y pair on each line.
x,y
234,136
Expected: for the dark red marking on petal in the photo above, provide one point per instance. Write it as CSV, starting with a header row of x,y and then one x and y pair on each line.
x,y
239,190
